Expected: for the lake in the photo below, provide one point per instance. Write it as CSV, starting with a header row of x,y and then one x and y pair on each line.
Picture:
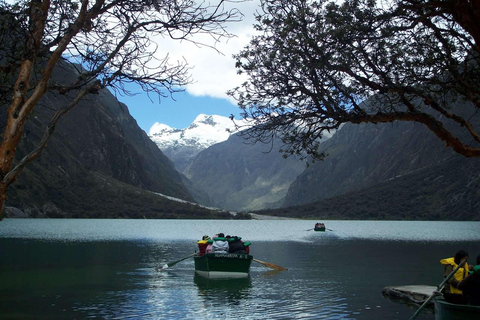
x,y
105,269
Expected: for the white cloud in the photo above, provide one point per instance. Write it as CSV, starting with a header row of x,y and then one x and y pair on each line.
x,y
214,72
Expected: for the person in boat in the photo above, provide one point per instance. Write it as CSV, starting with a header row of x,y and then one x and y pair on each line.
x,y
470,286
451,292
236,245
247,246
209,246
220,244
202,245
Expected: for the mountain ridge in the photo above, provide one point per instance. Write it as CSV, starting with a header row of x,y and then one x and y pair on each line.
x,y
183,145
401,169
98,164
242,176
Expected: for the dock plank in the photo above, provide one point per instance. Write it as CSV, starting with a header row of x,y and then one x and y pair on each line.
x,y
413,293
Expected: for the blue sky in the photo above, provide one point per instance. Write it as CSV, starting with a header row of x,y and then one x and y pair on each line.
x,y
177,114
213,73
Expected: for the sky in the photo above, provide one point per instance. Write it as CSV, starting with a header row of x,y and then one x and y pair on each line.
x,y
213,74
178,113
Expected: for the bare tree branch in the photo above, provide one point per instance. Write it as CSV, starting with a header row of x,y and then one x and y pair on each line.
x,y
318,64
110,42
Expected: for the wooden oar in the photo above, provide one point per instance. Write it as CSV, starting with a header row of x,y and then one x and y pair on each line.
x,y
172,263
329,229
309,229
270,265
439,288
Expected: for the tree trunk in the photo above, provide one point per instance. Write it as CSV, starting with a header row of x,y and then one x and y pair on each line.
x,y
22,106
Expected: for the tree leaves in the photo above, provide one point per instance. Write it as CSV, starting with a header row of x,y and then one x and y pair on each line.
x,y
318,64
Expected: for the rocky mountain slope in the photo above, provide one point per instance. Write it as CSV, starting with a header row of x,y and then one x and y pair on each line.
x,y
183,145
98,163
363,155
383,171
360,156
387,171
447,191
240,176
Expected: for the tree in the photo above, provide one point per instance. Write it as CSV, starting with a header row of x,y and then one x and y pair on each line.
x,y
111,43
315,65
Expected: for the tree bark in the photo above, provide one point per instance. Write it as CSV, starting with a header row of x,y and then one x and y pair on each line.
x,y
20,108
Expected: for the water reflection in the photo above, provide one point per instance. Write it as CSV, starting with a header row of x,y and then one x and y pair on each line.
x,y
233,287
331,275
427,310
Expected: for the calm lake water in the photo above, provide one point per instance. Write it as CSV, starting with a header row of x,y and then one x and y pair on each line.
x,y
105,269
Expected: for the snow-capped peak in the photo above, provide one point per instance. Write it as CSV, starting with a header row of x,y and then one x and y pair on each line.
x,y
182,145
203,132
159,128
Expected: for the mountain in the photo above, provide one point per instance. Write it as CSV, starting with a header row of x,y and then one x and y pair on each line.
x,y
387,171
363,155
98,163
182,145
399,170
224,171
241,176
448,191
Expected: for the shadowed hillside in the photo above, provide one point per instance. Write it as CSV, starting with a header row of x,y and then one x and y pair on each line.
x,y
98,163
240,176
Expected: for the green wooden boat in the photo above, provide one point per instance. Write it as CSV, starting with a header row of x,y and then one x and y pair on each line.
x,y
319,227
450,311
223,265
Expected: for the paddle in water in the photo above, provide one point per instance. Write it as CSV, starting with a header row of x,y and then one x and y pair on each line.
x,y
172,263
271,265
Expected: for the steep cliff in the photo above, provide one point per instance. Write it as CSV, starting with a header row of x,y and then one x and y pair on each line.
x,y
97,163
388,171
363,155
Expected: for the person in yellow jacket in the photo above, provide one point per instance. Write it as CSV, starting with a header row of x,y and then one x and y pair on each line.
x,y
202,245
452,293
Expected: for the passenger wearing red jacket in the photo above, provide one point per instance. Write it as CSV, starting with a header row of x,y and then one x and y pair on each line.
x,y
202,245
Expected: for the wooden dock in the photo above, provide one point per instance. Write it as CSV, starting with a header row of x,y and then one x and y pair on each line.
x,y
412,293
